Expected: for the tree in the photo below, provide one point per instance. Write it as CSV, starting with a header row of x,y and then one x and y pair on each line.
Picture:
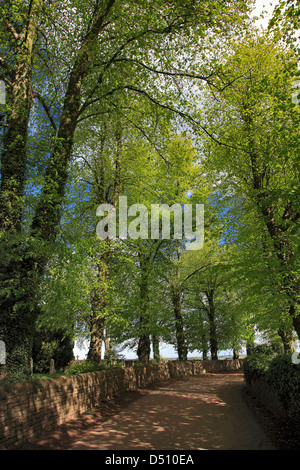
x,y
184,184
255,128
97,50
48,345
286,17
19,21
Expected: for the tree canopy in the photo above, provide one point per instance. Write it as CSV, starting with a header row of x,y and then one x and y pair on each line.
x,y
165,104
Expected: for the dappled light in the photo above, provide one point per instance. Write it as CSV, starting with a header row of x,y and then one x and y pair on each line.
x,y
205,412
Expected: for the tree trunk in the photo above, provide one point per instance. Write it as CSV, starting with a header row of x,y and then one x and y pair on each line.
x,y
19,311
277,228
107,353
99,305
155,346
96,339
144,347
179,326
204,349
98,318
287,340
177,308
14,153
212,325
17,273
27,263
236,354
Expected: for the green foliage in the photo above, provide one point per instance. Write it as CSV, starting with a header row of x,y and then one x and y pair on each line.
x,y
286,18
256,366
258,363
212,300
284,377
90,366
281,374
252,160
268,350
130,69
49,345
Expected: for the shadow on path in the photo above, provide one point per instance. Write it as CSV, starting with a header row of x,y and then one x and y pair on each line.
x,y
192,413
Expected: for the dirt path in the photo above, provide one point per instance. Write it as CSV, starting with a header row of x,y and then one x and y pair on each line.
x,y
193,413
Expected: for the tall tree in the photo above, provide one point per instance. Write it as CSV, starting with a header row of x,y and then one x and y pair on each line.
x,y
98,49
255,128
19,21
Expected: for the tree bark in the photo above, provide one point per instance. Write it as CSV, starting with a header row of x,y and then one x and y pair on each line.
x,y
236,354
204,348
287,340
177,308
179,325
99,305
96,338
98,317
212,325
155,346
107,343
14,153
144,344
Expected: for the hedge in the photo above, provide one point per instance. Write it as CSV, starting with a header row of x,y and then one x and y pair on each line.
x,y
281,374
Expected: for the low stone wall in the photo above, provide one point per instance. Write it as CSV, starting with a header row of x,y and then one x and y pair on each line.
x,y
29,409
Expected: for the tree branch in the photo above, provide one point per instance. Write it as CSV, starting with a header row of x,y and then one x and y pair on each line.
x,y
183,115
46,108
11,29
197,270
163,72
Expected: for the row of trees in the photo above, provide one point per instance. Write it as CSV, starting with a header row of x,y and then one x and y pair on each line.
x,y
146,100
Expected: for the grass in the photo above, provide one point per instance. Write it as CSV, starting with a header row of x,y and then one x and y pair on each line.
x,y
47,376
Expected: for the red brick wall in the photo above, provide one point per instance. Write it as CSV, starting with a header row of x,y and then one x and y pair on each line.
x,y
29,409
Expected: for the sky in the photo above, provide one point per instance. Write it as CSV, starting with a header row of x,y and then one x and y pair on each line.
x,y
167,351
264,5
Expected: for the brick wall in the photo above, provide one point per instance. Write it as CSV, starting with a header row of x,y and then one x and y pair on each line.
x,y
29,409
